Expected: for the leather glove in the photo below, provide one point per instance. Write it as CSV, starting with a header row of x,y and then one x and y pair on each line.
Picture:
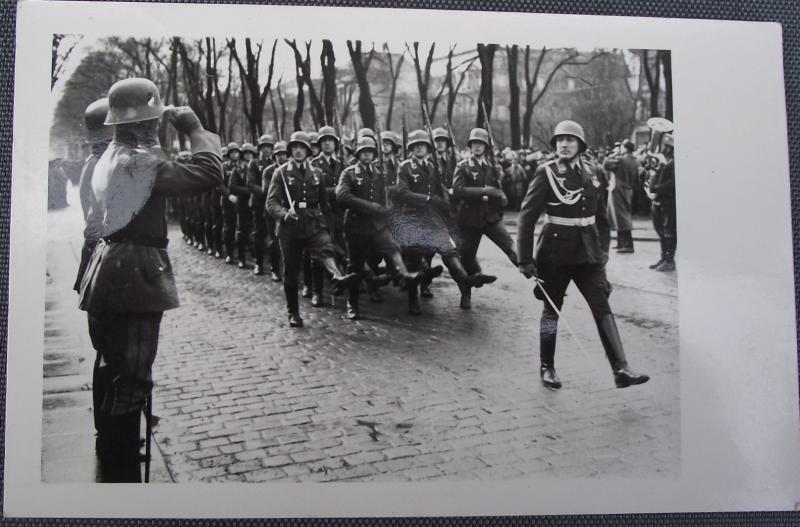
x,y
233,198
290,217
184,119
528,269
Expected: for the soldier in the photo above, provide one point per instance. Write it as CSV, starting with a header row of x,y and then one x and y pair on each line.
x,y
420,225
237,185
280,155
313,139
298,201
362,191
258,199
445,163
392,145
213,217
229,200
331,169
625,174
662,188
477,186
129,282
569,250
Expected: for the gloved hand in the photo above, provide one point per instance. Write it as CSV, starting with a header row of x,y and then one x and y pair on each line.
x,y
233,198
184,119
528,269
290,217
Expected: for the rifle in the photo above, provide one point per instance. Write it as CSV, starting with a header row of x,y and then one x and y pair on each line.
x,y
404,134
338,127
488,125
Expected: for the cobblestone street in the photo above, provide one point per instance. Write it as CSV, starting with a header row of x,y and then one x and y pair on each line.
x,y
450,395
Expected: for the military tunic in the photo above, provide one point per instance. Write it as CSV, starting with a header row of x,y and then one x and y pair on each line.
x,y
258,200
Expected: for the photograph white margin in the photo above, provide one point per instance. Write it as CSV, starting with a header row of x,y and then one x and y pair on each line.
x,y
738,356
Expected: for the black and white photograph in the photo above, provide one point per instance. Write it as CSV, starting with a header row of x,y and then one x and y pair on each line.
x,y
288,253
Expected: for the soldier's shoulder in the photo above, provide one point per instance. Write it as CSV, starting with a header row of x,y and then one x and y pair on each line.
x,y
463,162
405,163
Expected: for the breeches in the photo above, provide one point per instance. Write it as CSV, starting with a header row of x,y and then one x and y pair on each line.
x,y
590,280
318,245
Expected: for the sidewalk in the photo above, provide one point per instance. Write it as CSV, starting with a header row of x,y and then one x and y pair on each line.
x,y
67,423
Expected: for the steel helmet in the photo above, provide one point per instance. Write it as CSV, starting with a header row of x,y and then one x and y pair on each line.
x,y
328,132
478,134
441,133
234,146
280,147
418,137
569,128
392,137
668,140
265,139
313,138
133,100
95,117
366,143
347,143
248,147
365,132
299,138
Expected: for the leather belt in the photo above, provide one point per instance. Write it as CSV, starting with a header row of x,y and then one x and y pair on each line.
x,y
148,241
570,222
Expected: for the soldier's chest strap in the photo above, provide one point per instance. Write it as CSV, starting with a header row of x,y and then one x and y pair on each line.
x,y
563,194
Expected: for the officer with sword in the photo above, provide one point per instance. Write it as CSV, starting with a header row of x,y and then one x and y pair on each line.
x,y
568,251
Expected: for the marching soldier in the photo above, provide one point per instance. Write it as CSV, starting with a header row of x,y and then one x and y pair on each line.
x,y
569,250
229,200
664,212
477,186
391,143
420,225
445,163
362,191
313,139
298,201
237,185
280,156
129,282
258,199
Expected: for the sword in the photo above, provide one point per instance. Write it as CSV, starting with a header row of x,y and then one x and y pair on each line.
x,y
286,190
540,283
148,418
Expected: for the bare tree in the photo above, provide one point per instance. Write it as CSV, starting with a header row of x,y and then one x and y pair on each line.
x,y
283,111
532,95
453,88
303,74
666,63
254,97
424,80
486,56
366,107
512,53
328,89
394,72
63,46
653,77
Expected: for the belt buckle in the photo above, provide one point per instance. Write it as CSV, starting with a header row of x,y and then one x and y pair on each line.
x,y
302,204
485,198
583,222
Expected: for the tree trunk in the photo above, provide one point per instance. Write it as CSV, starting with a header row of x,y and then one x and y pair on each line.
x,y
366,107
486,56
666,61
653,81
513,104
328,62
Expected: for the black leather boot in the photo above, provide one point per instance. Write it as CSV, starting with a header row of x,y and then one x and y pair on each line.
x,y
352,311
466,297
461,277
623,375
292,305
119,455
548,331
413,299
663,252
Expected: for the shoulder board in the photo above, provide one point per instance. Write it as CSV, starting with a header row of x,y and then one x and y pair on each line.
x,y
404,163
549,163
463,162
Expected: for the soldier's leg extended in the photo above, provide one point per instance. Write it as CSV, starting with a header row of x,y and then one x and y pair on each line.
x,y
471,240
591,282
127,344
321,248
555,281
357,248
292,253
499,235
414,262
429,274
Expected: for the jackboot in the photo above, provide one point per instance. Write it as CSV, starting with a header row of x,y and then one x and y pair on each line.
x,y
413,300
339,282
466,297
626,243
461,277
292,305
663,253
407,278
119,456
352,311
609,336
548,331
429,274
